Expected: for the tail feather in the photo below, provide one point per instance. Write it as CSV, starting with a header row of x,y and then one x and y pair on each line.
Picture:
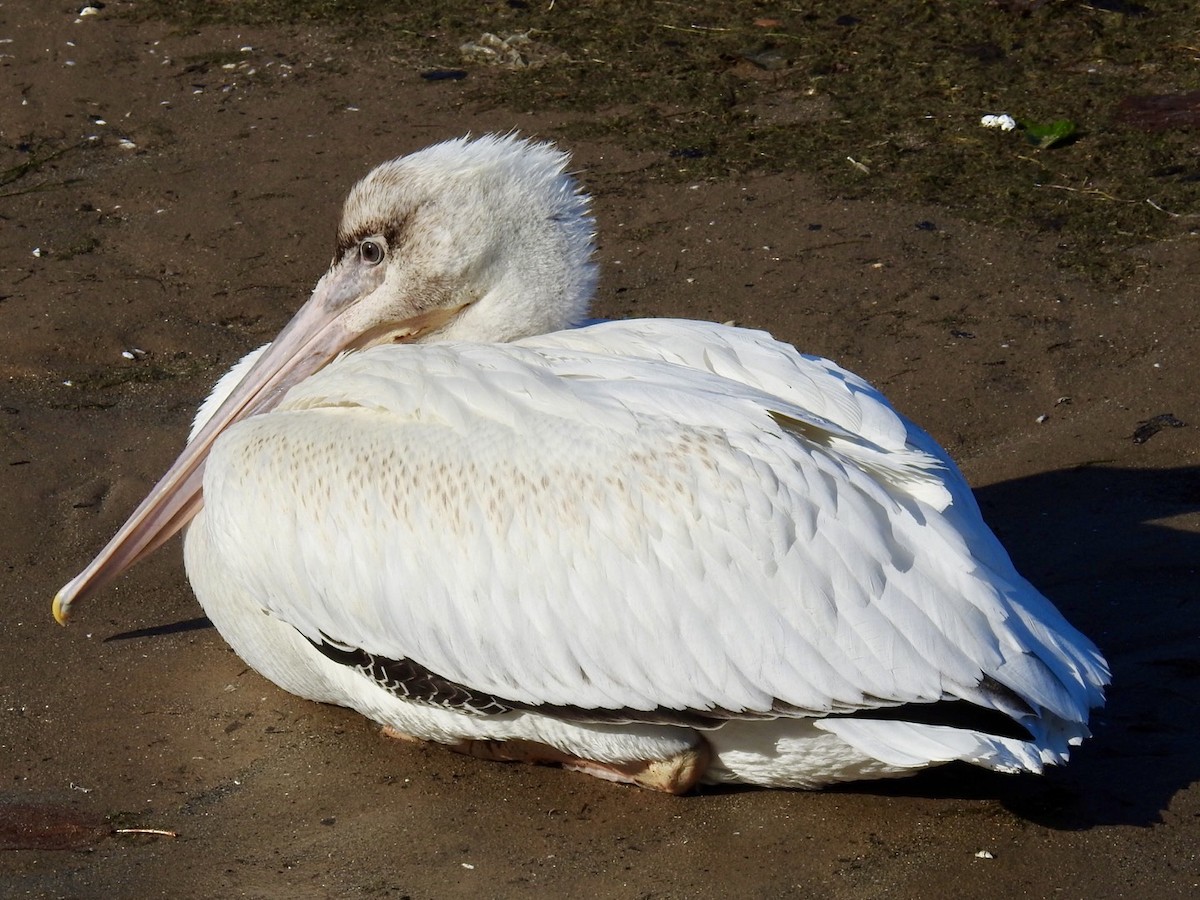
x,y
913,745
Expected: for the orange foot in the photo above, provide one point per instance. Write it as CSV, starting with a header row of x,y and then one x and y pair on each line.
x,y
674,775
396,734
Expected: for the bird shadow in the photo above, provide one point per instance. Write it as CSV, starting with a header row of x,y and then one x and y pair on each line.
x,y
199,623
1111,548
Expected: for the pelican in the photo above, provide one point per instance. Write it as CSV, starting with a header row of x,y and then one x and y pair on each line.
x,y
661,552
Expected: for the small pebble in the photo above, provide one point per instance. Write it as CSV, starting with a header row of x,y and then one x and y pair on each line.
x,y
984,854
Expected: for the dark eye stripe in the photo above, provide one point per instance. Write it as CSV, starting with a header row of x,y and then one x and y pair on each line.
x,y
393,232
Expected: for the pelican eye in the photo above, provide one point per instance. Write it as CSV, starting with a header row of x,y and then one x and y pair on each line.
x,y
370,251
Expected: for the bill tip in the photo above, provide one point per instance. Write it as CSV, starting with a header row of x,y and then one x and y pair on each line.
x,y
61,609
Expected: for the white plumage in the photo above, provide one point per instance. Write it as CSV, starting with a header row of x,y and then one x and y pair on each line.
x,y
658,551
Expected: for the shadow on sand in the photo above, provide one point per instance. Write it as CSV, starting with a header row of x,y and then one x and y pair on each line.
x,y
1101,543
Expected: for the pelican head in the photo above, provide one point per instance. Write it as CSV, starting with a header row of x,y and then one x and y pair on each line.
x,y
477,240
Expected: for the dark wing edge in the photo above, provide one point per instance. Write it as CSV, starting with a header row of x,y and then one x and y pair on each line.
x,y
411,681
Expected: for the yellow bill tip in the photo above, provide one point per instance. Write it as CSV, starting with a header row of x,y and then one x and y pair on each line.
x,y
61,610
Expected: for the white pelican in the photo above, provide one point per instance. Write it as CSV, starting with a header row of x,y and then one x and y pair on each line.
x,y
661,552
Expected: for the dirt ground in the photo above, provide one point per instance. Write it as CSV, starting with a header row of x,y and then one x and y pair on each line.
x,y
189,210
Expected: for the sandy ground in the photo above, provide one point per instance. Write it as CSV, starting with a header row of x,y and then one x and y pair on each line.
x,y
194,243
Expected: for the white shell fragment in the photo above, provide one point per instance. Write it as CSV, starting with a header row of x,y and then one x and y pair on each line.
x,y
1003,121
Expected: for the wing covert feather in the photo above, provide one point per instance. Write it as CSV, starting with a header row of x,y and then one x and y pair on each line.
x,y
617,518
